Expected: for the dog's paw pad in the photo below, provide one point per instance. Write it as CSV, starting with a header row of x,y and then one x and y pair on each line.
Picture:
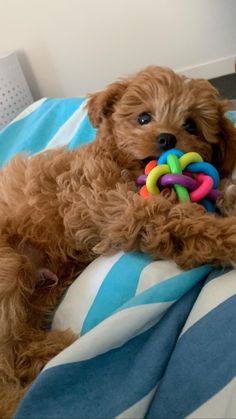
x,y
46,278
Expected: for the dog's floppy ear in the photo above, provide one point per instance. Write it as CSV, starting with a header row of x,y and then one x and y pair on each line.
x,y
101,104
224,155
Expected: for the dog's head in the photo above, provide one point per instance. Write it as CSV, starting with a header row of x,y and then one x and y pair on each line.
x,y
156,110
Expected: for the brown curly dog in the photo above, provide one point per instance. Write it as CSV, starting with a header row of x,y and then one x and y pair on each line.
x,y
61,209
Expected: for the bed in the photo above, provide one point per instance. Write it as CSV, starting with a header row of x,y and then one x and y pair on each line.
x,y
156,342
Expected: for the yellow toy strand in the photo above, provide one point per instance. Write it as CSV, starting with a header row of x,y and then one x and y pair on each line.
x,y
189,158
154,175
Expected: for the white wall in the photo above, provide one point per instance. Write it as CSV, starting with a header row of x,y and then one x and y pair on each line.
x,y
71,47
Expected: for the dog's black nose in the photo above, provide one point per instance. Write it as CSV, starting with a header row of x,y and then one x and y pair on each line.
x,y
166,141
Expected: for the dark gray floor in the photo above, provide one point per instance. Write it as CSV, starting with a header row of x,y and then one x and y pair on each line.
x,y
226,85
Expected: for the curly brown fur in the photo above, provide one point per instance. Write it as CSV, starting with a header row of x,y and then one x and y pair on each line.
x,y
60,209
227,201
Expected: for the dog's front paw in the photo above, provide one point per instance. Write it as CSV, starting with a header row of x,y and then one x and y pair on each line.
x,y
226,203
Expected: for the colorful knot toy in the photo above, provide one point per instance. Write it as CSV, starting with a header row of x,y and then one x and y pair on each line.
x,y
193,179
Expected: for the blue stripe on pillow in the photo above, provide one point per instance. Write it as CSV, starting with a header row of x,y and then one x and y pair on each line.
x,y
32,133
171,289
118,286
105,386
85,134
204,362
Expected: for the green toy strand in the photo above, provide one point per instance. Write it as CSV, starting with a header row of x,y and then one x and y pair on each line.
x,y
175,168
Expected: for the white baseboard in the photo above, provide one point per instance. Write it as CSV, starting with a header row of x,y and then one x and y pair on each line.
x,y
211,69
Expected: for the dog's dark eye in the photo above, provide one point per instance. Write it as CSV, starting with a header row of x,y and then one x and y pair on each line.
x,y
190,126
144,118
